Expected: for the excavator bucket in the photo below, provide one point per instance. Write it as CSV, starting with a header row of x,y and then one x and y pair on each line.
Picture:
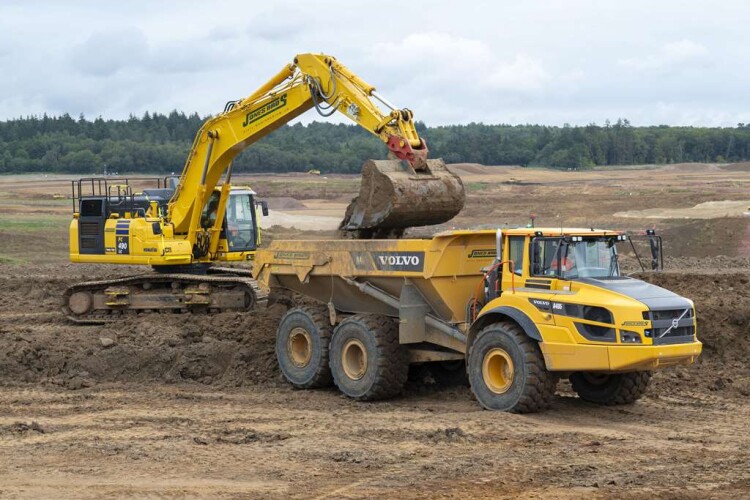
x,y
393,196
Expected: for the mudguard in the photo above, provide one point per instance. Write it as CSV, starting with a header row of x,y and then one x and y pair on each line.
x,y
528,326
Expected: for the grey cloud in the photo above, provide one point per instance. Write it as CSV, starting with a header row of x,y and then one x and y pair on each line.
x,y
546,62
105,53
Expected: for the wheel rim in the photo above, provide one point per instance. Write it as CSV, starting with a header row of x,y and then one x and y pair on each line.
x,y
300,347
354,359
497,370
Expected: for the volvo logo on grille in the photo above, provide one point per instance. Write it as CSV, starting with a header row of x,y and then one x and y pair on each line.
x,y
675,322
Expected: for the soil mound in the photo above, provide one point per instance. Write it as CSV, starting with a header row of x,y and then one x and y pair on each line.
x,y
43,346
225,349
738,167
474,169
690,167
722,303
284,203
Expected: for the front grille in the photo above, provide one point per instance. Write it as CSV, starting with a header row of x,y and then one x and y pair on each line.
x,y
681,331
671,326
667,314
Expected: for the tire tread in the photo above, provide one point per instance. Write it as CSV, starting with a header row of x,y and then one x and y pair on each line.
x,y
540,384
630,387
319,316
393,359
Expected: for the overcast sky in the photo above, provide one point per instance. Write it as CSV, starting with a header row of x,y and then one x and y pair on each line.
x,y
547,62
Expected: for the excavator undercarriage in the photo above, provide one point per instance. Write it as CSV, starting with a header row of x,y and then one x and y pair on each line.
x,y
219,289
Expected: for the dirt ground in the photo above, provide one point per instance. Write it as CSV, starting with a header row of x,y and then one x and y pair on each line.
x,y
180,405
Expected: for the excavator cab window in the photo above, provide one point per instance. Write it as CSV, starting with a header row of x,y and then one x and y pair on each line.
x,y
239,225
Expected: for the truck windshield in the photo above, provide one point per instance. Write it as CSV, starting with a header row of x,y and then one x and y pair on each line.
x,y
588,258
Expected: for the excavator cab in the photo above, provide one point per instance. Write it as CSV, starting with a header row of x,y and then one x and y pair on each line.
x,y
240,229
240,222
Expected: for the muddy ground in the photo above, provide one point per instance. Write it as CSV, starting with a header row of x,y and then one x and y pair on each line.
x,y
180,405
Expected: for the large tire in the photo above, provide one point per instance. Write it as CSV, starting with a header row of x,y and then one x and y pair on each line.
x,y
367,361
302,342
507,372
610,388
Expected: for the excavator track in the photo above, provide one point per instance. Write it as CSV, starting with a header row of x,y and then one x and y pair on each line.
x,y
220,290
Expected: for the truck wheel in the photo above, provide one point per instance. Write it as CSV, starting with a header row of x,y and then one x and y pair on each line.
x,y
507,371
610,388
302,341
367,361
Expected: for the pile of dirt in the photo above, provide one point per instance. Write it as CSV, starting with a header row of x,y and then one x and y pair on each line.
x,y
228,349
284,203
690,167
722,303
225,349
38,344
706,238
738,167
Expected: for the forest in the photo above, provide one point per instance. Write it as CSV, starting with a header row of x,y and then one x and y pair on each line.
x,y
157,143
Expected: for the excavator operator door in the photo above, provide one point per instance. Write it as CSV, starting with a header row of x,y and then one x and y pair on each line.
x,y
240,223
239,230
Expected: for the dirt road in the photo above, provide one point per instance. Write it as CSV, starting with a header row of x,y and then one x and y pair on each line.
x,y
266,441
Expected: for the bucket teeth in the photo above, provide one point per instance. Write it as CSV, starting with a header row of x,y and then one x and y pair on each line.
x,y
393,197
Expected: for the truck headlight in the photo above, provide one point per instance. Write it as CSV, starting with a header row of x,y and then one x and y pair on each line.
x,y
628,337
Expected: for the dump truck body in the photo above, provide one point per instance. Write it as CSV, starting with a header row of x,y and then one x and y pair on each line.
x,y
442,294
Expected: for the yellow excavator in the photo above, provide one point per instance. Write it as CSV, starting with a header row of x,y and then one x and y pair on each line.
x,y
183,226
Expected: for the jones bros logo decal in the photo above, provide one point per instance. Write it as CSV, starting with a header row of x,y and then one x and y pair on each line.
x,y
399,261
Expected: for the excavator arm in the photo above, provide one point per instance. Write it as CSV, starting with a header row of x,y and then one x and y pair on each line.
x,y
312,81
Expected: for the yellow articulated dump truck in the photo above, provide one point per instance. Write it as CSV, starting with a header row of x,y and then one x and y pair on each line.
x,y
522,307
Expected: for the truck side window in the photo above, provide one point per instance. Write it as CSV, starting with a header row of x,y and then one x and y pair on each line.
x,y
544,257
515,253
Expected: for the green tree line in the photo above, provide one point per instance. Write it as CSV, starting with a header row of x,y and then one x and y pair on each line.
x,y
158,143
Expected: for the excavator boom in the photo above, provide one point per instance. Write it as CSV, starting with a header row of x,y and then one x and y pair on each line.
x,y
402,189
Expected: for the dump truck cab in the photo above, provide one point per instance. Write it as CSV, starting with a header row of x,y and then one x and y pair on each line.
x,y
565,289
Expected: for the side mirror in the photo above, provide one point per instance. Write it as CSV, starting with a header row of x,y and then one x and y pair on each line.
x,y
657,257
264,208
